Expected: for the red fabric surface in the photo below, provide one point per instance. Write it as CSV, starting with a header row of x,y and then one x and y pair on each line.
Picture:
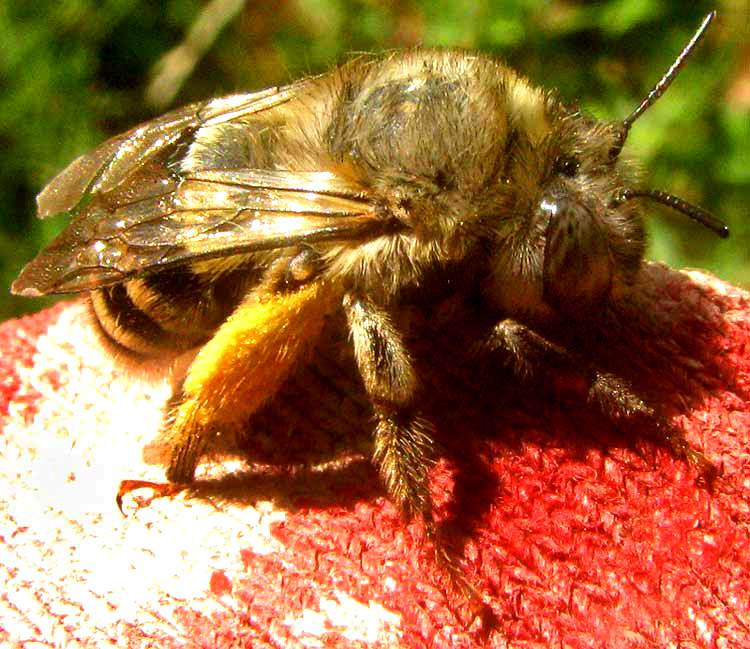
x,y
574,538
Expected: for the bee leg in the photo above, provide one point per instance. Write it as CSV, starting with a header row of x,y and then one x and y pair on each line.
x,y
531,357
403,439
242,367
615,399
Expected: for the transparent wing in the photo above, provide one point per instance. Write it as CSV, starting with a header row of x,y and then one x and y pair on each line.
x,y
133,213
111,163
211,213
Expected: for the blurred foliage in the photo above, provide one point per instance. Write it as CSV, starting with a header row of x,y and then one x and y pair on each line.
x,y
73,72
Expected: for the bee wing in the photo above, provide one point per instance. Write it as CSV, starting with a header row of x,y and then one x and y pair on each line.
x,y
132,212
112,162
207,213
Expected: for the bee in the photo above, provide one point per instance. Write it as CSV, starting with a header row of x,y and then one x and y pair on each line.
x,y
392,185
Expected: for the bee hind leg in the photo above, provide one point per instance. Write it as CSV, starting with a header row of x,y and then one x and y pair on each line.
x,y
241,368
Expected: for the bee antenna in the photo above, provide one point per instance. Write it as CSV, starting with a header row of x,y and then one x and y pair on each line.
x,y
696,213
664,83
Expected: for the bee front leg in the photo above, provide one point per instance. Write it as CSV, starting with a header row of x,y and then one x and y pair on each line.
x,y
534,359
403,439
241,368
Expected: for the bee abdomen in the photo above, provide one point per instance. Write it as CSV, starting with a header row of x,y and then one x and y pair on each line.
x,y
165,312
131,329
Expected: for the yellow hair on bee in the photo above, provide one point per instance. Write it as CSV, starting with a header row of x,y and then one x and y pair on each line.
x,y
253,352
527,105
243,366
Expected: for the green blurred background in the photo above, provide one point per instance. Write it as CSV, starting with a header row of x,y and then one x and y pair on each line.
x,y
73,72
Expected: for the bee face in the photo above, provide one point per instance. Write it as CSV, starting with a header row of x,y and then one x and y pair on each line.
x,y
569,244
238,227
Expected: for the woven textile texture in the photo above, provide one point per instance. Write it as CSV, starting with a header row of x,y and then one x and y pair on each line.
x,y
575,534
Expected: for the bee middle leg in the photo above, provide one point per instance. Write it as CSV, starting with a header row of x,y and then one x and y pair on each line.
x,y
404,443
533,358
403,438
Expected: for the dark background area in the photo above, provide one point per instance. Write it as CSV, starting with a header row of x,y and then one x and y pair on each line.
x,y
73,72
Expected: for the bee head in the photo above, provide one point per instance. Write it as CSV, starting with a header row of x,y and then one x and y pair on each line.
x,y
585,234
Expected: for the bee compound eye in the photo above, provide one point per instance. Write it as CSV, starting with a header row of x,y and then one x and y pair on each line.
x,y
577,262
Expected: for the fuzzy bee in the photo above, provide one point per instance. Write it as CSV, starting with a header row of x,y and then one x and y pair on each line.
x,y
238,227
